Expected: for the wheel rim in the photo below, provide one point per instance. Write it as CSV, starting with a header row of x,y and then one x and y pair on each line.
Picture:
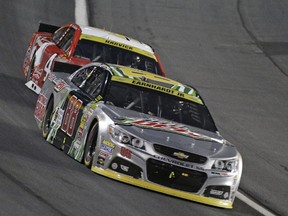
x,y
46,125
30,69
91,146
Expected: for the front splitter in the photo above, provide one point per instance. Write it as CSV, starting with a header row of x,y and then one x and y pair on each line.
x,y
158,188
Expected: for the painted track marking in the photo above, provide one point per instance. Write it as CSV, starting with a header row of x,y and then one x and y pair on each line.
x,y
253,204
81,16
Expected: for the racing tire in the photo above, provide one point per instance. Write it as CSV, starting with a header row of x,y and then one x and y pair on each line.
x,y
30,69
90,145
46,122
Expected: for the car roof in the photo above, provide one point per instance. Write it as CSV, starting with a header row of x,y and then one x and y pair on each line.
x,y
153,81
108,37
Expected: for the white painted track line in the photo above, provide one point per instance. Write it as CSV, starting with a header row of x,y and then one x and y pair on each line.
x,y
81,16
254,205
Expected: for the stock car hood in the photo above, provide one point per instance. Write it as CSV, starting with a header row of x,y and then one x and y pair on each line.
x,y
172,134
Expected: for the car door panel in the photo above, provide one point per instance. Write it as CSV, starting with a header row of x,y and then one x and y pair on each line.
x,y
71,111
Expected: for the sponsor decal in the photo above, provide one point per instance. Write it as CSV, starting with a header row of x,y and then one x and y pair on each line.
x,y
180,155
100,160
123,46
55,123
120,45
108,143
172,175
153,86
174,162
58,116
223,173
199,168
83,121
216,192
167,126
92,107
114,166
37,74
61,84
215,173
98,98
40,107
125,152
77,144
191,95
51,76
104,154
76,150
81,126
124,168
107,149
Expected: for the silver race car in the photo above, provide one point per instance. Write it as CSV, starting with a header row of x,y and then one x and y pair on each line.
x,y
142,129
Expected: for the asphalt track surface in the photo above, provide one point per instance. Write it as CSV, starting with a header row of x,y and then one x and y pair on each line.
x,y
233,52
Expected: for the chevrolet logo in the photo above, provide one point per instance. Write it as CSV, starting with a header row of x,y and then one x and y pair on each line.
x,y
180,155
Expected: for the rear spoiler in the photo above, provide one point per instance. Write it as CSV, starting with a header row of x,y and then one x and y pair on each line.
x,y
65,67
43,27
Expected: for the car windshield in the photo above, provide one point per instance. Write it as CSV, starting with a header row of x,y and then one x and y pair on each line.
x,y
159,104
99,52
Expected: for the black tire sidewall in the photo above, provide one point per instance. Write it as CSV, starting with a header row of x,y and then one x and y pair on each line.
x,y
47,117
90,142
30,69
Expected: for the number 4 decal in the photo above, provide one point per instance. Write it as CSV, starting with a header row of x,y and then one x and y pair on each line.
x,y
71,114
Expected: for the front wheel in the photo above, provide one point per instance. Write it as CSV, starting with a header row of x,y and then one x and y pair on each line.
x,y
46,122
90,145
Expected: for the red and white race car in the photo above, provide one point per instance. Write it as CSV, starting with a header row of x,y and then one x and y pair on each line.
x,y
52,47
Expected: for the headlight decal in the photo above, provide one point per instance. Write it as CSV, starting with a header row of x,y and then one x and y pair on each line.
x,y
226,165
137,143
119,135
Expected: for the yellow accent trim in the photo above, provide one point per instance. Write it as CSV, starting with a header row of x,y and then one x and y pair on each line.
x,y
118,44
157,88
162,189
134,72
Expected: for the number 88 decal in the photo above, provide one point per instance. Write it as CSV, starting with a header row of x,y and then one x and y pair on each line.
x,y
71,114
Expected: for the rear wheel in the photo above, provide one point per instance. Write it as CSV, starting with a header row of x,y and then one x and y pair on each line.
x,y
90,145
30,69
46,122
